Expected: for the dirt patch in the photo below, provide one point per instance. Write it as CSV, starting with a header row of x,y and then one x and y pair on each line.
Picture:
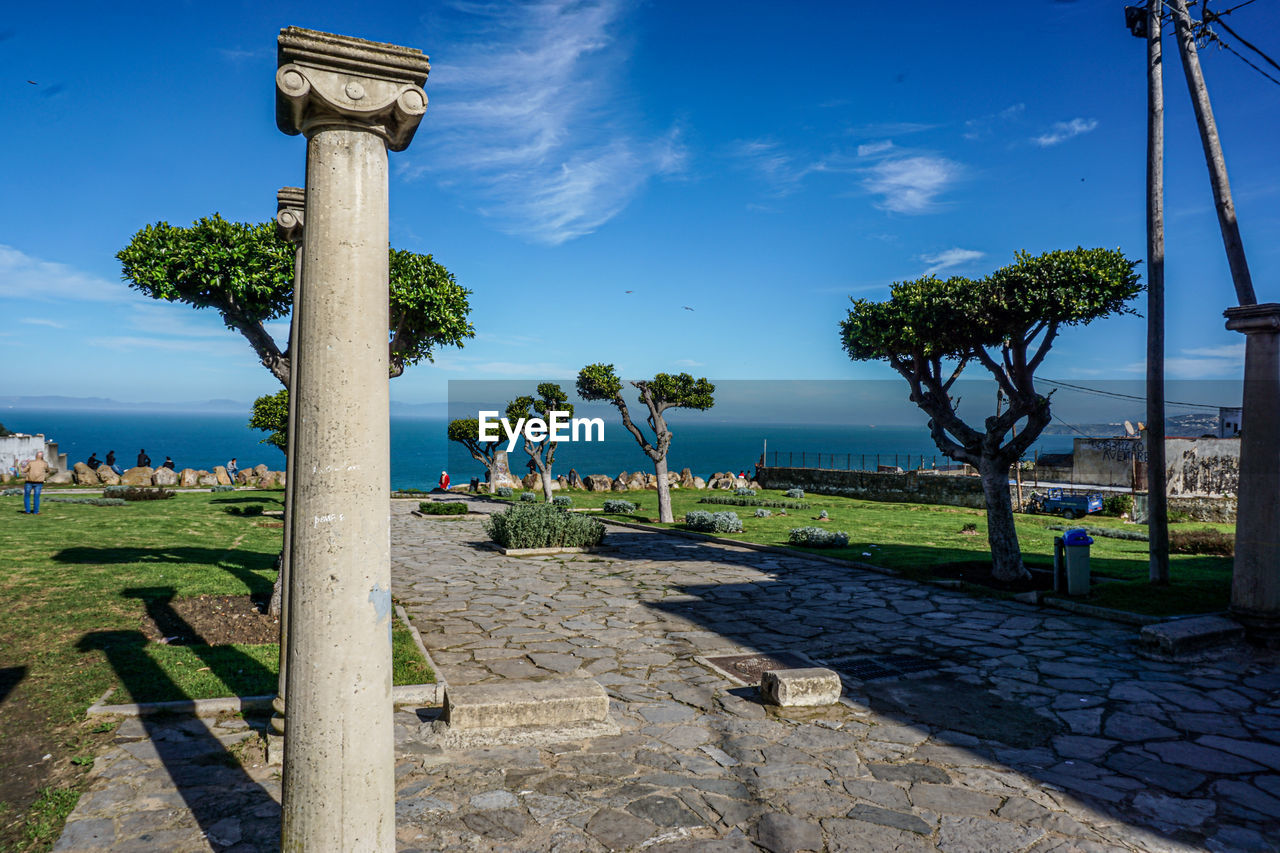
x,y
214,620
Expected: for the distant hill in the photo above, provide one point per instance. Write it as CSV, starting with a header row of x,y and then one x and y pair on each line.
x,y
1183,425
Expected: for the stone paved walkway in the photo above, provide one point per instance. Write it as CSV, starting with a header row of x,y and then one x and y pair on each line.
x,y
1035,730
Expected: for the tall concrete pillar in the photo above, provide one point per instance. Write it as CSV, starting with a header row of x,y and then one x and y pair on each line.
x,y
290,202
353,99
1255,581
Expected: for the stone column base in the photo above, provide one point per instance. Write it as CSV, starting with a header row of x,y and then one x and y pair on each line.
x,y
275,748
1260,628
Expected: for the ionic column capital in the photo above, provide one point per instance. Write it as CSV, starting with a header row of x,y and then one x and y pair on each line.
x,y
1250,319
326,81
290,204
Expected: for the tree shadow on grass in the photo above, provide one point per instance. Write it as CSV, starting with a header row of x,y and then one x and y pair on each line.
x,y
229,805
246,566
245,500
10,677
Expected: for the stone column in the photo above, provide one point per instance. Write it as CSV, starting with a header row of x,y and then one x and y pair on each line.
x,y
353,100
290,202
1255,580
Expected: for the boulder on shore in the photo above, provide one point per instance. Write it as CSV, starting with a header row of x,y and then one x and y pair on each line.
x,y
575,482
204,478
246,477
637,481
271,480
164,477
260,471
619,485
699,483
597,482
137,476
531,481
84,475
187,478
220,472
106,476
60,478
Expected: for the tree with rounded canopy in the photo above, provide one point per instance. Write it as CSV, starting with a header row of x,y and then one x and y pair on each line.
x,y
271,415
466,431
662,392
551,398
929,330
244,271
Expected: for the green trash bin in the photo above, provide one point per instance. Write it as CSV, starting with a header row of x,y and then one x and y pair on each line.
x,y
1077,542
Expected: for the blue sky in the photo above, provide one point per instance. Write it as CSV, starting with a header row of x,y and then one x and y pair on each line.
x,y
757,162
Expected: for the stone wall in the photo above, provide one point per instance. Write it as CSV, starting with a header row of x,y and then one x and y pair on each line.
x,y
1107,461
19,447
1203,467
910,487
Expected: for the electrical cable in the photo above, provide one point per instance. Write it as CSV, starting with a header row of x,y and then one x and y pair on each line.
x,y
1118,395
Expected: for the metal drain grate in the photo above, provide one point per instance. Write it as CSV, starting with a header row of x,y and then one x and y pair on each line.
x,y
748,668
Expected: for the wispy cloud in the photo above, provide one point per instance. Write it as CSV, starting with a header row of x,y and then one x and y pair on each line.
x,y
911,184
1064,130
1215,362
948,259
25,277
871,149
238,55
890,128
479,368
985,126
208,346
531,123
40,321
688,362
781,170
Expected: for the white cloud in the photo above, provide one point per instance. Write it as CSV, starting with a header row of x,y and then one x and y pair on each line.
x,y
870,149
985,126
949,258
532,124
1215,362
39,321
911,184
782,171
209,346
1064,130
25,277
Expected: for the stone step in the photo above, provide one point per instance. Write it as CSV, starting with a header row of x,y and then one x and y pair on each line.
x,y
1182,637
515,703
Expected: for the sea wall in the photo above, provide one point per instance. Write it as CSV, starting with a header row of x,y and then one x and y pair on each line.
x,y
909,487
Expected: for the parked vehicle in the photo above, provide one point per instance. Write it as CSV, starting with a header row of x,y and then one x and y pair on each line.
x,y
1054,502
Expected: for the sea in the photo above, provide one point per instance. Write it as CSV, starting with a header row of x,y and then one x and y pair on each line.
x,y
420,449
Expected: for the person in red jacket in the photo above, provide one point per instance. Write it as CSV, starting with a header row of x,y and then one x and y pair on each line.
x,y
444,481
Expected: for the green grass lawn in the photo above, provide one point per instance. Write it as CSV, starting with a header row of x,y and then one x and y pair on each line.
x,y
921,540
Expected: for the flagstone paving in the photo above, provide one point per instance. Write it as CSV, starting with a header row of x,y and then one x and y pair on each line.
x,y
1033,731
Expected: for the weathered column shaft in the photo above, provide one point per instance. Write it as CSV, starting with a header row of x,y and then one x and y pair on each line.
x,y
1255,580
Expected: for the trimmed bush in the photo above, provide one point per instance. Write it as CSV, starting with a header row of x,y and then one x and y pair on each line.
x,y
797,494
562,500
252,510
442,508
11,492
1134,535
504,492
528,497
620,507
212,489
89,501
763,513
713,522
138,493
745,492
746,500
543,526
1211,542
823,515
818,537
1117,505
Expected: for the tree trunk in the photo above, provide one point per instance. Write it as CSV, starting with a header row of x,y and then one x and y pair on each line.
x,y
1006,555
1158,502
664,491
545,474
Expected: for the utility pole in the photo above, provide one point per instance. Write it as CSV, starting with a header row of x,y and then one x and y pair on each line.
x,y
1157,490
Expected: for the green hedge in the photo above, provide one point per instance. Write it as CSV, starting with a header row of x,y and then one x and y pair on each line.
x,y
137,493
734,500
543,526
442,508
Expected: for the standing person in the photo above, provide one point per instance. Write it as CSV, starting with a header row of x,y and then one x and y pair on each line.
x,y
444,481
232,468
35,472
144,461
111,462
168,463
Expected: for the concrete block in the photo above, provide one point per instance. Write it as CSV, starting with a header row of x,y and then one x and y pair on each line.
x,y
792,687
506,704
1189,636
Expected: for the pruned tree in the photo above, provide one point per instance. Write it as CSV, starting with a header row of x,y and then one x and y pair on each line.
x,y
466,431
662,392
929,330
271,415
244,271
542,453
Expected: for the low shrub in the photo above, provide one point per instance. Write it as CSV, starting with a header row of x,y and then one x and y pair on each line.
x,y
89,501
798,494
818,537
1211,542
763,513
11,492
1131,535
620,507
140,493
562,500
543,526
250,511
1117,505
746,500
969,528
1179,516
823,515
713,522
442,508
212,489
503,492
744,491
528,497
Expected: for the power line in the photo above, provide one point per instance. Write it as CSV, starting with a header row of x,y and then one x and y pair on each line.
x,y
1120,396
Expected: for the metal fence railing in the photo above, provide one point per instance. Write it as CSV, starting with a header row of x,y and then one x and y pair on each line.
x,y
861,461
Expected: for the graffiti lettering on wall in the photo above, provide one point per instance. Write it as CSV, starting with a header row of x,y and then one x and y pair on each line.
x,y
1118,449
